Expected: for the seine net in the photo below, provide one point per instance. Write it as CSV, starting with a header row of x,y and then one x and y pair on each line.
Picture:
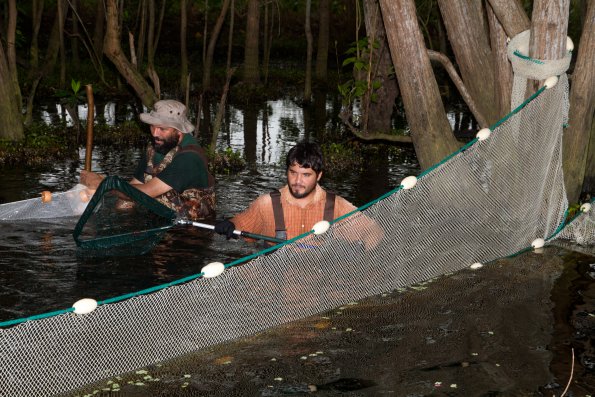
x,y
121,220
57,205
491,199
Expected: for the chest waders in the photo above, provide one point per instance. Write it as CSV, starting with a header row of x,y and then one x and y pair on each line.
x,y
280,229
193,203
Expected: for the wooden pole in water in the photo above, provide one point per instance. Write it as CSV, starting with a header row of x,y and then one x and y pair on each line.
x,y
90,121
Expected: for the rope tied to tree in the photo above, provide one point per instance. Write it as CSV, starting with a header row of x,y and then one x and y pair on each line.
x,y
526,68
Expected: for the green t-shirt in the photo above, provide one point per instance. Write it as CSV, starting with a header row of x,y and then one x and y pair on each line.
x,y
186,170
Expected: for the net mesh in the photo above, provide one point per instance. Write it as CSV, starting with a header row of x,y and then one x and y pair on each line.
x,y
581,230
111,225
491,199
57,205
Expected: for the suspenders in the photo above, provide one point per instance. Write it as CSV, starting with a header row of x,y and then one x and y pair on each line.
x,y
280,229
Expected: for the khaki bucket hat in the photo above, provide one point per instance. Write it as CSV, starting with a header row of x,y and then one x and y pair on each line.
x,y
169,113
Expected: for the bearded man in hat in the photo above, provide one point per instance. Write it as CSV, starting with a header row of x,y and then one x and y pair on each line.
x,y
174,169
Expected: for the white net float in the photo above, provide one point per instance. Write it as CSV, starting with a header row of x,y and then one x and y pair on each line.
x,y
85,306
321,227
213,269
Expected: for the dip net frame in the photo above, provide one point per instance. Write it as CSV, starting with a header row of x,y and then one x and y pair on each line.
x,y
501,194
120,220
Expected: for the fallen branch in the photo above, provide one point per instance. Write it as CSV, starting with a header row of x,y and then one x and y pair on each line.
x,y
344,115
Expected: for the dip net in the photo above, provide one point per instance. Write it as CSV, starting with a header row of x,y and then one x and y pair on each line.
x,y
493,198
121,220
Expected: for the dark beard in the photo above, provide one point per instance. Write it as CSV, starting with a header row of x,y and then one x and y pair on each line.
x,y
166,146
301,195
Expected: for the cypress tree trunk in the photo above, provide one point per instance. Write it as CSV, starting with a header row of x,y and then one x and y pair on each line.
x,y
251,71
183,46
430,130
511,15
12,124
206,78
62,10
37,13
99,31
74,41
11,50
502,70
467,32
324,16
381,71
309,40
579,154
549,27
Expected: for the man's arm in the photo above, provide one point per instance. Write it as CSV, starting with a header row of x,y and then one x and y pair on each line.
x,y
369,233
91,179
155,187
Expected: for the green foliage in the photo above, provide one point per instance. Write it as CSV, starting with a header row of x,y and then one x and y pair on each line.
x,y
356,88
73,97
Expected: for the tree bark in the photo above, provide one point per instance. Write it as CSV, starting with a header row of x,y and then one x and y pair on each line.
x,y
589,181
230,36
74,40
549,27
380,65
467,32
49,60
151,36
11,50
36,16
430,130
99,31
582,109
502,69
309,41
206,77
184,83
266,45
113,51
251,72
62,10
142,32
511,15
324,16
12,124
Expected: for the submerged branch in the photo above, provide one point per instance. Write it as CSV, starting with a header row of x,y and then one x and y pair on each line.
x,y
345,115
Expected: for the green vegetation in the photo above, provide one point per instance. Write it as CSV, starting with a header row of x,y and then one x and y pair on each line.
x,y
225,161
42,145
355,88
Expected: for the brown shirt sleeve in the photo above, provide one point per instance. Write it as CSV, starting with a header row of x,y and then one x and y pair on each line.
x,y
342,207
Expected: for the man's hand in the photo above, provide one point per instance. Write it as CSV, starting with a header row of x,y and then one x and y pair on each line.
x,y
91,179
225,228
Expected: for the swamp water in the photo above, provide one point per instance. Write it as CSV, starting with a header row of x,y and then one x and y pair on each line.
x,y
506,329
